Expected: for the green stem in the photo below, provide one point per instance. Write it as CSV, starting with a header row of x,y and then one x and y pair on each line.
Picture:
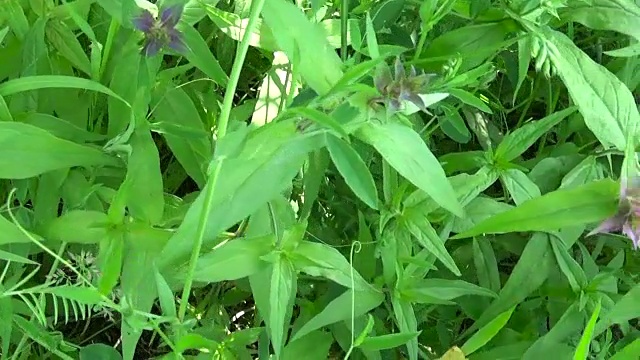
x,y
223,123
106,50
344,25
423,39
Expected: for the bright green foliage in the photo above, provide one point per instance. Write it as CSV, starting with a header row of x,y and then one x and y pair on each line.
x,y
364,179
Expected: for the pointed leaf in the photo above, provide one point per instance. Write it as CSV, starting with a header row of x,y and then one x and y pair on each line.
x,y
339,309
409,155
354,171
607,105
29,151
561,208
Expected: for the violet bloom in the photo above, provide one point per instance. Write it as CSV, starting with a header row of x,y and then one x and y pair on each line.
x,y
626,219
160,32
401,86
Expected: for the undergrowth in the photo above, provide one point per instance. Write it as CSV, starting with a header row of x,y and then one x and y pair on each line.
x,y
268,179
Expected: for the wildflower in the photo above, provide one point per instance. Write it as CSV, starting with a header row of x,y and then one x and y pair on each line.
x,y
628,215
401,86
160,32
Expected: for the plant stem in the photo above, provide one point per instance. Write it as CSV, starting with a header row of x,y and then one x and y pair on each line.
x,y
223,123
344,26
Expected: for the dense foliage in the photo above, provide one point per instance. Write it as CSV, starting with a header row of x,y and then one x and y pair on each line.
x,y
364,179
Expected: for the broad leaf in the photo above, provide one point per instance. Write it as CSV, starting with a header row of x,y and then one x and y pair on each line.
x,y
607,105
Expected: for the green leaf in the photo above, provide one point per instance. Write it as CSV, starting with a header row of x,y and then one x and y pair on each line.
x,y
409,155
314,346
624,309
40,335
631,351
453,125
586,171
524,59
200,55
99,352
83,295
175,107
36,82
356,72
517,142
195,341
561,208
221,264
111,258
5,255
67,44
270,158
320,118
365,332
15,16
59,127
234,26
388,341
486,264
78,226
520,187
470,99
6,327
10,233
607,105
354,171
564,329
582,351
442,289
428,238
143,187
29,151
313,179
165,295
473,43
569,266
487,332
282,297
304,43
616,15
530,272
339,309
318,259
124,82
407,323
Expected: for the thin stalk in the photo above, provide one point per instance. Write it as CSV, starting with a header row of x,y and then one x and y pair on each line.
x,y
344,25
421,41
223,123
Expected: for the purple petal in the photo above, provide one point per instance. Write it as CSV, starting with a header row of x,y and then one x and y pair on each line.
x,y
382,79
623,188
394,105
151,47
415,99
399,69
612,224
176,42
144,22
170,16
413,72
628,230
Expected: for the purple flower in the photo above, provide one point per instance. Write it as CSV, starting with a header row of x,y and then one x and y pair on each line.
x,y
626,219
401,86
160,32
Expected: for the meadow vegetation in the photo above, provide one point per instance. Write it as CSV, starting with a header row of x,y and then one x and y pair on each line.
x,y
310,179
